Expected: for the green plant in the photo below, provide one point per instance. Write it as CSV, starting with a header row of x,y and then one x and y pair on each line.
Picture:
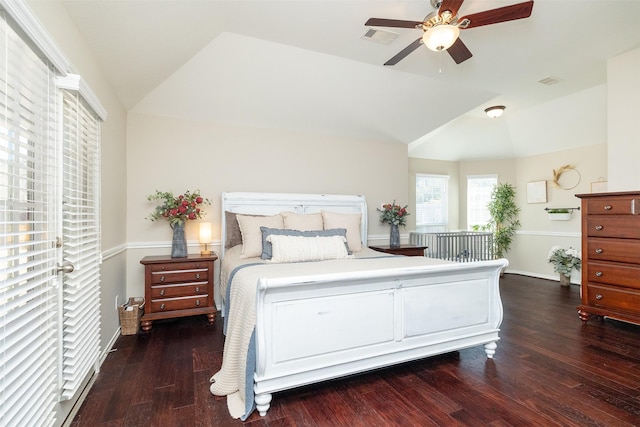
x,y
564,260
504,217
560,210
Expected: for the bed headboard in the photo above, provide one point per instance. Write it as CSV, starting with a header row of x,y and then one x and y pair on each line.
x,y
274,203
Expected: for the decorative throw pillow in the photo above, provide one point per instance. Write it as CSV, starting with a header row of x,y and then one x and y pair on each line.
x,y
300,248
233,235
251,234
267,251
302,222
350,222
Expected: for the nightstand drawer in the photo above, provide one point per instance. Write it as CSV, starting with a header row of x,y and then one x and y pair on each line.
x,y
177,276
183,303
179,290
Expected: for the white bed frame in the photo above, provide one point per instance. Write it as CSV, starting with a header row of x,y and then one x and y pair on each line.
x,y
313,329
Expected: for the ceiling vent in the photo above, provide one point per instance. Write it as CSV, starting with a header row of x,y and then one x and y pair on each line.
x,y
379,36
550,80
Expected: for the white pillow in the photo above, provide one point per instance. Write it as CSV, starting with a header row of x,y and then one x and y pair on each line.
x,y
350,222
300,248
251,233
302,222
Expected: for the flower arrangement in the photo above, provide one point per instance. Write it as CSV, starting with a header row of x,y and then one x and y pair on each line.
x,y
177,209
564,260
391,213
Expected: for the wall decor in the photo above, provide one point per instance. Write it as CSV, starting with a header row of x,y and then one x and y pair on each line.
x,y
537,192
566,177
600,186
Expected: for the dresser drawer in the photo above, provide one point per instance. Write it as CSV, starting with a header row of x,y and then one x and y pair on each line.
x,y
178,276
183,303
613,297
179,290
614,206
624,227
613,274
613,250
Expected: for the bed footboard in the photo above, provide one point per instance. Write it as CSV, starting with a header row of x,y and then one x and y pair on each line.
x,y
309,330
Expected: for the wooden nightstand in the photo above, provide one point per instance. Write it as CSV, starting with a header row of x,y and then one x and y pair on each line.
x,y
178,287
408,250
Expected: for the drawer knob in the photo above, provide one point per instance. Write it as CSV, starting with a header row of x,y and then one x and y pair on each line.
x,y
599,251
161,306
197,275
197,288
607,208
197,303
599,227
162,292
598,297
162,278
598,273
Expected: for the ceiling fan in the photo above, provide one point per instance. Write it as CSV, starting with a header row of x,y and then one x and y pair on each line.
x,y
442,27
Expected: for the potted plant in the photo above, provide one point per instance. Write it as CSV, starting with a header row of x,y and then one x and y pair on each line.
x,y
561,214
564,261
503,220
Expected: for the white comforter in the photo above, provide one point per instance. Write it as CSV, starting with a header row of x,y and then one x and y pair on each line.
x,y
230,380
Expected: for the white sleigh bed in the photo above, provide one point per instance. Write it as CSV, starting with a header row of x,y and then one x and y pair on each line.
x,y
292,324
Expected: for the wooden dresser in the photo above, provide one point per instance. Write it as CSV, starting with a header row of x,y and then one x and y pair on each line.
x,y
611,256
178,287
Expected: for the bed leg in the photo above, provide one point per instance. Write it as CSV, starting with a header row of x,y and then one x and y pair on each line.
x,y
490,349
263,402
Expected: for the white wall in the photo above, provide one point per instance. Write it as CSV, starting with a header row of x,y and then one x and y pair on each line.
x,y
171,154
623,116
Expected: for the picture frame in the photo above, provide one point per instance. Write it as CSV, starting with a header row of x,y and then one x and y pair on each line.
x,y
537,192
599,187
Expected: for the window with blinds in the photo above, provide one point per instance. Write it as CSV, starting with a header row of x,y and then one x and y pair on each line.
x,y
28,181
432,203
49,214
479,189
81,242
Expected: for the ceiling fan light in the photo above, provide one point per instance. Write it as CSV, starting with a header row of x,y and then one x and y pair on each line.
x,y
495,111
440,37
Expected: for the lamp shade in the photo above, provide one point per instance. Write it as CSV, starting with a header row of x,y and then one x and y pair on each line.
x,y
495,111
440,37
205,232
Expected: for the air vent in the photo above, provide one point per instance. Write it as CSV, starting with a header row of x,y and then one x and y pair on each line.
x,y
379,36
550,80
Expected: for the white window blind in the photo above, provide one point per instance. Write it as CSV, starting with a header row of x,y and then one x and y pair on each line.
x,y
432,203
81,242
479,190
28,294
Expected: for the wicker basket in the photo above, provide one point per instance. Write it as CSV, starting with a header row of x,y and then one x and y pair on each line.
x,y
130,314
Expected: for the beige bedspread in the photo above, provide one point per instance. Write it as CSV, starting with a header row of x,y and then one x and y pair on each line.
x,y
230,380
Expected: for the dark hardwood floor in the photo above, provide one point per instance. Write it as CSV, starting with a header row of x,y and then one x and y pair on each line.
x,y
549,369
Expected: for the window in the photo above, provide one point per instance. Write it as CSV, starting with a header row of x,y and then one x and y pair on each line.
x,y
432,203
479,190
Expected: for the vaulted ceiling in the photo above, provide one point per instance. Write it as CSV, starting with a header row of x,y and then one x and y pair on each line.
x,y
304,65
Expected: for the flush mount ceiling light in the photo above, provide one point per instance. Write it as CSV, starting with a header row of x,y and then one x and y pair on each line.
x,y
495,111
440,37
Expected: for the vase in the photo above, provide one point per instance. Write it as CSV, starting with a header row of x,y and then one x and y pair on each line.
x,y
179,241
394,236
565,280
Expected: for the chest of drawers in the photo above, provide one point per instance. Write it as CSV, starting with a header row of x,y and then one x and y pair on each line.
x,y
178,287
611,256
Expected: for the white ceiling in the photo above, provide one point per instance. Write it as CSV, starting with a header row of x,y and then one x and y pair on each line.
x,y
303,65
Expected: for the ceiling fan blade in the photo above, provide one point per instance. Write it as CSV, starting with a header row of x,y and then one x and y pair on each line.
x,y
501,14
451,5
459,51
404,52
381,22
